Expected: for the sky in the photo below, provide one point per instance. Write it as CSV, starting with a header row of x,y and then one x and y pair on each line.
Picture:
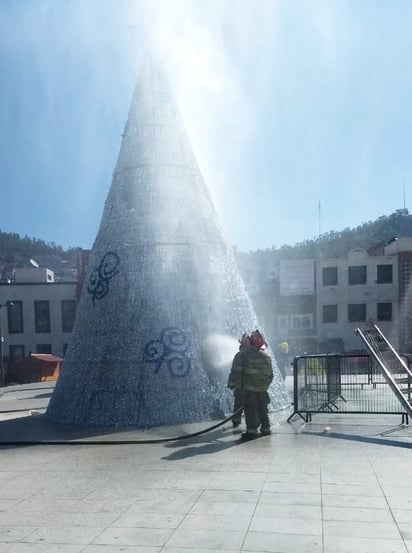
x,y
298,111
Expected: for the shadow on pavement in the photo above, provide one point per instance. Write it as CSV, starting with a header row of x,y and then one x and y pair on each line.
x,y
363,439
38,430
37,396
206,449
27,430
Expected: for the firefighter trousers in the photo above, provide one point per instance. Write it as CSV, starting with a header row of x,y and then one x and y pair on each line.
x,y
237,404
256,411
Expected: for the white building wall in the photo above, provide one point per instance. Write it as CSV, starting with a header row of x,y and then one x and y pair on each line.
x,y
371,293
33,274
54,293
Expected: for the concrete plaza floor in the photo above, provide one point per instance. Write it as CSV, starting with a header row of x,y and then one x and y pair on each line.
x,y
341,484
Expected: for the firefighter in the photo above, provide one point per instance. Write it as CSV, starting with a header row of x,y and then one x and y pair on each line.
x,y
235,381
283,358
256,376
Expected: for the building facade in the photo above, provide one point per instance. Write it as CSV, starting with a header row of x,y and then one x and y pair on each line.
x,y
355,291
284,297
402,250
316,304
37,314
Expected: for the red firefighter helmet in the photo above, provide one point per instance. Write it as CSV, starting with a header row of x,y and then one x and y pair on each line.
x,y
245,339
257,339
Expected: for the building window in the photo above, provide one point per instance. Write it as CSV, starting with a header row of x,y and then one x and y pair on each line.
x,y
329,313
16,352
15,317
42,316
330,276
43,348
404,291
68,309
356,312
357,274
384,311
384,274
283,324
301,322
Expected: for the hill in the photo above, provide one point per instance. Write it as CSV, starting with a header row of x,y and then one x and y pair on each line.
x,y
17,251
339,243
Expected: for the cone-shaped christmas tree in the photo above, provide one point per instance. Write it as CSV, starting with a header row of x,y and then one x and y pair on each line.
x,y
161,281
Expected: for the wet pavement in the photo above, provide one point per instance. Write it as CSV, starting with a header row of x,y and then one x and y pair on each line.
x,y
341,484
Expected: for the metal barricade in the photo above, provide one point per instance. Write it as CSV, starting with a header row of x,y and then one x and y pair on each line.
x,y
338,383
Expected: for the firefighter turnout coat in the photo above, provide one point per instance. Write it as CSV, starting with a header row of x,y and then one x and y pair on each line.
x,y
251,370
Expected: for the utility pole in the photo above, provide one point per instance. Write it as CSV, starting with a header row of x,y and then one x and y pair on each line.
x,y
2,379
1,358
1,352
404,196
319,219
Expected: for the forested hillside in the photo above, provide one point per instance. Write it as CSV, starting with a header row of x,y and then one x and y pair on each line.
x,y
16,251
12,244
339,243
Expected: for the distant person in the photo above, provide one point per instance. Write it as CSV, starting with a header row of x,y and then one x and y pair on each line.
x,y
282,358
235,381
255,368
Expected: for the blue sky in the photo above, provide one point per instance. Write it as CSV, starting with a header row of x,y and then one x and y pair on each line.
x,y
287,103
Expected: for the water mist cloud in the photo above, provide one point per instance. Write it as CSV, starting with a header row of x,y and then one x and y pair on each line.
x,y
190,39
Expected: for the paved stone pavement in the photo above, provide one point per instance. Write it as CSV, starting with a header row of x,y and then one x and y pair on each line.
x,y
338,485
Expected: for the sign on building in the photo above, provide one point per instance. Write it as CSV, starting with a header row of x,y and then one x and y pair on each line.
x,y
297,277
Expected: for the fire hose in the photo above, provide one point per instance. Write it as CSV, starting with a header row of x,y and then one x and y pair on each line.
x,y
114,442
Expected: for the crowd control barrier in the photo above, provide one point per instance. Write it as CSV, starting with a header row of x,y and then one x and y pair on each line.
x,y
340,383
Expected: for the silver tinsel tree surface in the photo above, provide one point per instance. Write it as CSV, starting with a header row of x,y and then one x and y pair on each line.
x,y
162,284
